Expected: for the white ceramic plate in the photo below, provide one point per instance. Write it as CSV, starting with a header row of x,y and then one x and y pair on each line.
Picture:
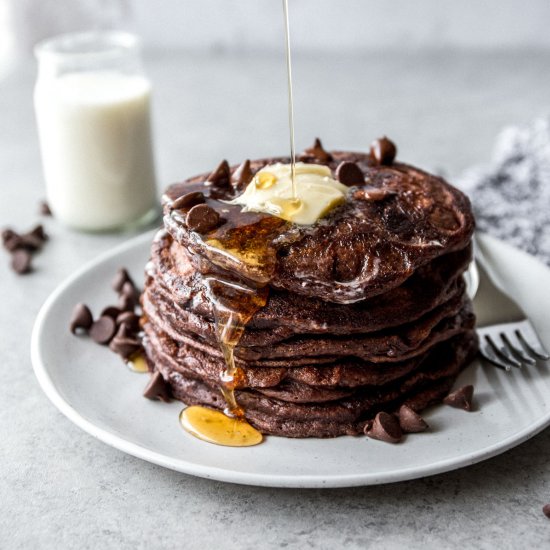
x,y
92,387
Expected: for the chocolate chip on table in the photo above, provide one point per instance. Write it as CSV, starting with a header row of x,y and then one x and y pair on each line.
x,y
44,209
130,319
385,427
188,200
461,398
242,176
121,277
103,330
349,174
202,218
220,175
383,151
21,261
546,510
410,421
157,388
81,318
316,152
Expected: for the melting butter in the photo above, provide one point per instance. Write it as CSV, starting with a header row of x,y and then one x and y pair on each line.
x,y
270,191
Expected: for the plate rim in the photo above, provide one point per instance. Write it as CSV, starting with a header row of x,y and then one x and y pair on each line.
x,y
251,478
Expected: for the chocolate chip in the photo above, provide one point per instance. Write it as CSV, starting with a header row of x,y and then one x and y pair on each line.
x,y
21,261
11,240
121,277
123,343
220,175
44,209
242,176
81,318
103,330
374,194
157,388
316,152
30,242
38,232
383,151
385,428
111,311
130,319
546,510
461,398
202,218
410,421
349,174
126,302
187,201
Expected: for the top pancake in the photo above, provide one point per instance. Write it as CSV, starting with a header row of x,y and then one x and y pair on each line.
x,y
365,247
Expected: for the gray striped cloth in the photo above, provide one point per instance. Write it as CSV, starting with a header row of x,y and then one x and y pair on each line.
x,y
511,195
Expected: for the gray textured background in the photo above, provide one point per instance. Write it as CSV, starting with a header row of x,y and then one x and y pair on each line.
x,y
60,488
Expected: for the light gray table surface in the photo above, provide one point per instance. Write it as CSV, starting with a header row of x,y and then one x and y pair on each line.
x,y
61,488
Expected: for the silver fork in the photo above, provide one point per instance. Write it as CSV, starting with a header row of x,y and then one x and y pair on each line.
x,y
507,337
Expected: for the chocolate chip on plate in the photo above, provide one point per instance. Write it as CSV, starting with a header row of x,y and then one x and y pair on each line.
x,y
110,311
122,276
188,200
349,174
129,289
21,261
81,318
202,218
546,510
461,398
157,388
220,175
410,421
11,239
130,319
126,302
383,151
124,343
385,427
316,152
38,232
103,330
242,176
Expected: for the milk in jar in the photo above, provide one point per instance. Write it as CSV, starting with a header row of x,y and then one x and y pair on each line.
x,y
94,127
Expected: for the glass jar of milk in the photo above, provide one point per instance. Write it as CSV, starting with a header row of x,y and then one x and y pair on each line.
x,y
92,104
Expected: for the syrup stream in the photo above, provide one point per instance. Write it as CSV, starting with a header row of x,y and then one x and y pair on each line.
x,y
290,101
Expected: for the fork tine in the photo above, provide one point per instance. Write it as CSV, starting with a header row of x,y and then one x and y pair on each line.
x,y
515,351
535,350
490,355
503,353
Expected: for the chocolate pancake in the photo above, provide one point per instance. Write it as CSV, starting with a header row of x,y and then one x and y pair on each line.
x,y
360,312
172,274
360,249
347,415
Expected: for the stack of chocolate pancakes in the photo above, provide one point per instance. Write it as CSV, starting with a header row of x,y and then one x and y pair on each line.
x,y
358,313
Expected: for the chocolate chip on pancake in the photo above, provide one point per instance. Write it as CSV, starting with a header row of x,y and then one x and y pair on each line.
x,y
220,176
349,174
383,151
202,218
316,153
242,176
188,200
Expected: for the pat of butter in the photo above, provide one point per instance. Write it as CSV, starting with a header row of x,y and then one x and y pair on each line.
x,y
270,191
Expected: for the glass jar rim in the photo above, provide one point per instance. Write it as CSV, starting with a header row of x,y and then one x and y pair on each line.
x,y
81,45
